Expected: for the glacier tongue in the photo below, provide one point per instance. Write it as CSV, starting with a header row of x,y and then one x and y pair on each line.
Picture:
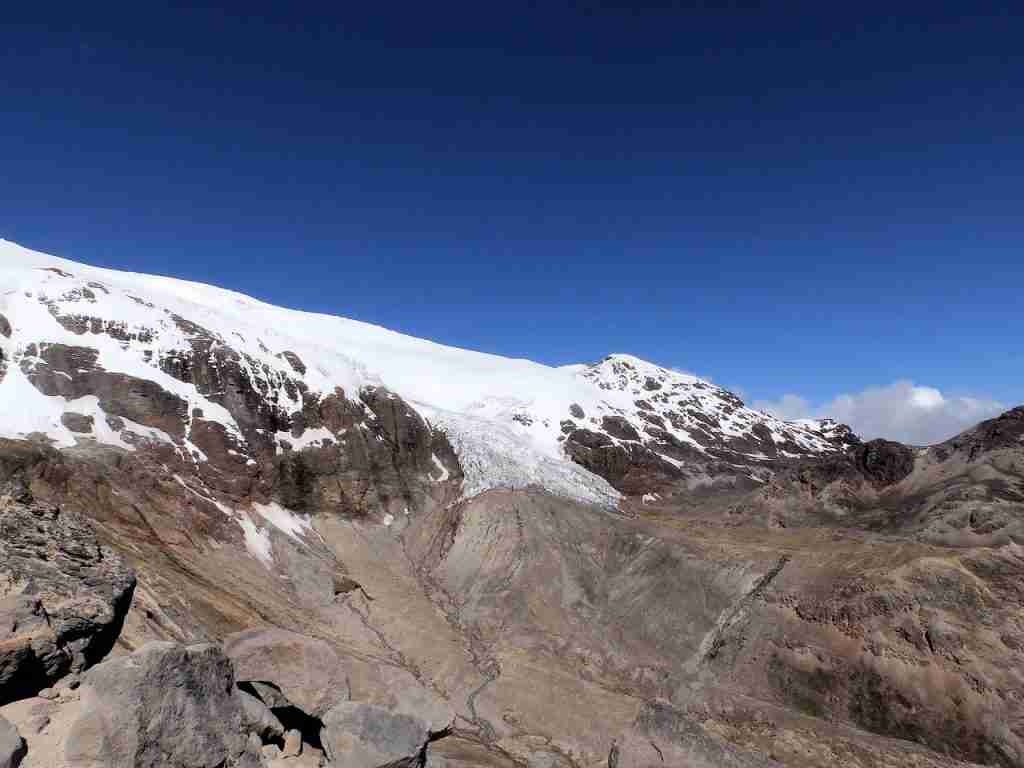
x,y
494,456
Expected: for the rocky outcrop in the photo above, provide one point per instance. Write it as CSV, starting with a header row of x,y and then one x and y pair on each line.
x,y
382,463
365,736
630,467
620,428
78,422
12,745
883,462
63,596
73,372
164,705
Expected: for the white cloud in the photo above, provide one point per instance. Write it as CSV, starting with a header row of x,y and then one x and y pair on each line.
x,y
788,407
901,411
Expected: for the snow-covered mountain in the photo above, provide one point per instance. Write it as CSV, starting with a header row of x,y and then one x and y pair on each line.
x,y
130,360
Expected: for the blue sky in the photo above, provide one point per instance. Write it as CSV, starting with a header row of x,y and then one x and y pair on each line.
x,y
801,200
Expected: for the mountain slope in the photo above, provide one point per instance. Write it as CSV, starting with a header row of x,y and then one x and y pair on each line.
x,y
967,491
631,422
589,565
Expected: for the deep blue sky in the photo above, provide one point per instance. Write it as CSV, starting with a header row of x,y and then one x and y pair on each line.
x,y
807,198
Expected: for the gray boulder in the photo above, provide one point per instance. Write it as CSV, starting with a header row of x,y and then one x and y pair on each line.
x,y
257,717
268,693
164,705
360,735
306,670
12,746
63,596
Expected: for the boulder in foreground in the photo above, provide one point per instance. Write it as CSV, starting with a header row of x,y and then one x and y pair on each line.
x,y
305,669
164,705
361,735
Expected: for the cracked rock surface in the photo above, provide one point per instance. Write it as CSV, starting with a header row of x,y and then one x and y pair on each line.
x,y
164,705
63,596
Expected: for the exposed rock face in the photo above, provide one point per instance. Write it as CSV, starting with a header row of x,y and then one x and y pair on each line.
x,y
77,422
618,427
631,468
63,596
883,461
383,464
73,372
897,641
164,705
364,736
12,746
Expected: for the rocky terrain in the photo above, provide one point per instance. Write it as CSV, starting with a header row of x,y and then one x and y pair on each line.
x,y
233,534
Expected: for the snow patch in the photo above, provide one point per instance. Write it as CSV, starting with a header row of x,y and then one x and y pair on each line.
x,y
440,468
316,437
24,410
285,520
257,540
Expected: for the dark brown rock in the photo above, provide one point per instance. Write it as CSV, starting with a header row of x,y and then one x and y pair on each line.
x,y
72,372
295,362
616,426
588,439
883,461
77,422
